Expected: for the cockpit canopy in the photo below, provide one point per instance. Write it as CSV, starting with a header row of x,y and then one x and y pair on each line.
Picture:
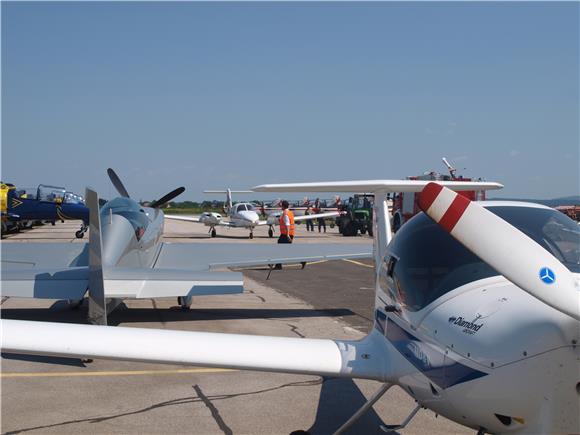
x,y
244,207
424,262
130,210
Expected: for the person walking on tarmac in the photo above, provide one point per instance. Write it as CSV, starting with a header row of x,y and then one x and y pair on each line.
x,y
286,226
309,223
321,222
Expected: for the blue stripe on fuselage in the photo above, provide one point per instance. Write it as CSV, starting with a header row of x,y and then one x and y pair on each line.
x,y
429,360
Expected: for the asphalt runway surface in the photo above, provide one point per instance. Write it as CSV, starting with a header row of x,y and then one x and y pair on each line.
x,y
325,300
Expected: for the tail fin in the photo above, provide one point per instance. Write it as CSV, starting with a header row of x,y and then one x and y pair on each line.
x,y
229,200
229,204
97,301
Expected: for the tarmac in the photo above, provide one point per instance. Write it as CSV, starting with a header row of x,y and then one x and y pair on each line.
x,y
325,300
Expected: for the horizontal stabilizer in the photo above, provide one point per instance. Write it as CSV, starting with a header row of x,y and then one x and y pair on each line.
x,y
353,359
373,186
157,283
131,283
70,283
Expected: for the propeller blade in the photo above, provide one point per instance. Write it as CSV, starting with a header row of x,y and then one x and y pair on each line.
x,y
158,203
509,251
117,183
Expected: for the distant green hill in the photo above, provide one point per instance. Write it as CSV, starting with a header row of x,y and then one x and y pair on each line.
x,y
566,200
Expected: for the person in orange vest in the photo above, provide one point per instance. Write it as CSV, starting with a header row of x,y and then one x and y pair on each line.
x,y
286,224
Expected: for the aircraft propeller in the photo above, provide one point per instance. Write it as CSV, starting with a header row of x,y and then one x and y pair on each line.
x,y
504,247
123,192
117,183
165,199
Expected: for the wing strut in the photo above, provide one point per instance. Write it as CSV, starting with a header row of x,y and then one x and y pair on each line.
x,y
97,302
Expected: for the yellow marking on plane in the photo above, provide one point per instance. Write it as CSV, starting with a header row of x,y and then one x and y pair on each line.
x,y
358,263
16,202
113,373
317,262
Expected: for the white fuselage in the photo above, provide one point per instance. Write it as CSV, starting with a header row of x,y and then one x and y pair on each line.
x,y
243,215
124,243
487,355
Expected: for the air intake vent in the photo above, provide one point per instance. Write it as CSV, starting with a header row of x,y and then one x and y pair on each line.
x,y
504,419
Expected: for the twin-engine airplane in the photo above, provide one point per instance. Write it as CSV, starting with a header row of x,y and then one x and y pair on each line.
x,y
476,316
126,259
242,215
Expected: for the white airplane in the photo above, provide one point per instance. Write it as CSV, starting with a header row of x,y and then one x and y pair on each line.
x,y
476,316
126,259
242,215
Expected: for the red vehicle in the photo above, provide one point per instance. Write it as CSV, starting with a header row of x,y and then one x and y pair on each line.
x,y
405,204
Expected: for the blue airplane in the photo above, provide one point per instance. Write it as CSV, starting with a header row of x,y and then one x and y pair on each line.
x,y
48,204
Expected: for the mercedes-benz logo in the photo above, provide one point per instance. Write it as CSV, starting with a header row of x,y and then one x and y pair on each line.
x,y
547,275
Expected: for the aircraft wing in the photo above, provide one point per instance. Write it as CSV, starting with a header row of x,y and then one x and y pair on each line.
x,y
45,255
316,216
208,256
118,282
182,218
194,219
366,358
273,218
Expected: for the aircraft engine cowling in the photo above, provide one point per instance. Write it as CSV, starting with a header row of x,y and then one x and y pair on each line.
x,y
273,218
210,218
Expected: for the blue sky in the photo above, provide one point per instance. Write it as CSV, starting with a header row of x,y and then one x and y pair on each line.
x,y
238,94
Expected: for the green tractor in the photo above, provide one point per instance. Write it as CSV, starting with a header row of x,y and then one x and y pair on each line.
x,y
358,215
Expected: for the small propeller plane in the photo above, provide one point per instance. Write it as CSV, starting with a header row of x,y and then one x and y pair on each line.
x,y
242,215
476,316
125,258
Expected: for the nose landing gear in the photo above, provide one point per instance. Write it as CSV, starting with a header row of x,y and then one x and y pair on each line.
x,y
212,232
251,234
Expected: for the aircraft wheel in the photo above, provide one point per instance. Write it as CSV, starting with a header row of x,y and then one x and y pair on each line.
x,y
251,235
213,233
79,234
270,233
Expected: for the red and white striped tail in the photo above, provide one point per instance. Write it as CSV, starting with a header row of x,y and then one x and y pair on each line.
x,y
504,247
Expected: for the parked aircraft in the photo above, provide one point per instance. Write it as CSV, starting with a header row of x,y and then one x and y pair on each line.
x,y
46,203
241,215
125,258
476,317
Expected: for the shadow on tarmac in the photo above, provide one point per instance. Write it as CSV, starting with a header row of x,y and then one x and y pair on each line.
x,y
339,400
63,313
61,361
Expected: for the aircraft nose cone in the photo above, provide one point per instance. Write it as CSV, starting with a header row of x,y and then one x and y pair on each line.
x,y
250,216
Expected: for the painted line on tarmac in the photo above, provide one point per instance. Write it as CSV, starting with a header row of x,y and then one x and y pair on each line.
x,y
112,373
358,263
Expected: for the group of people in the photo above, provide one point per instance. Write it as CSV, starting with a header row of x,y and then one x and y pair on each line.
x,y
310,223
